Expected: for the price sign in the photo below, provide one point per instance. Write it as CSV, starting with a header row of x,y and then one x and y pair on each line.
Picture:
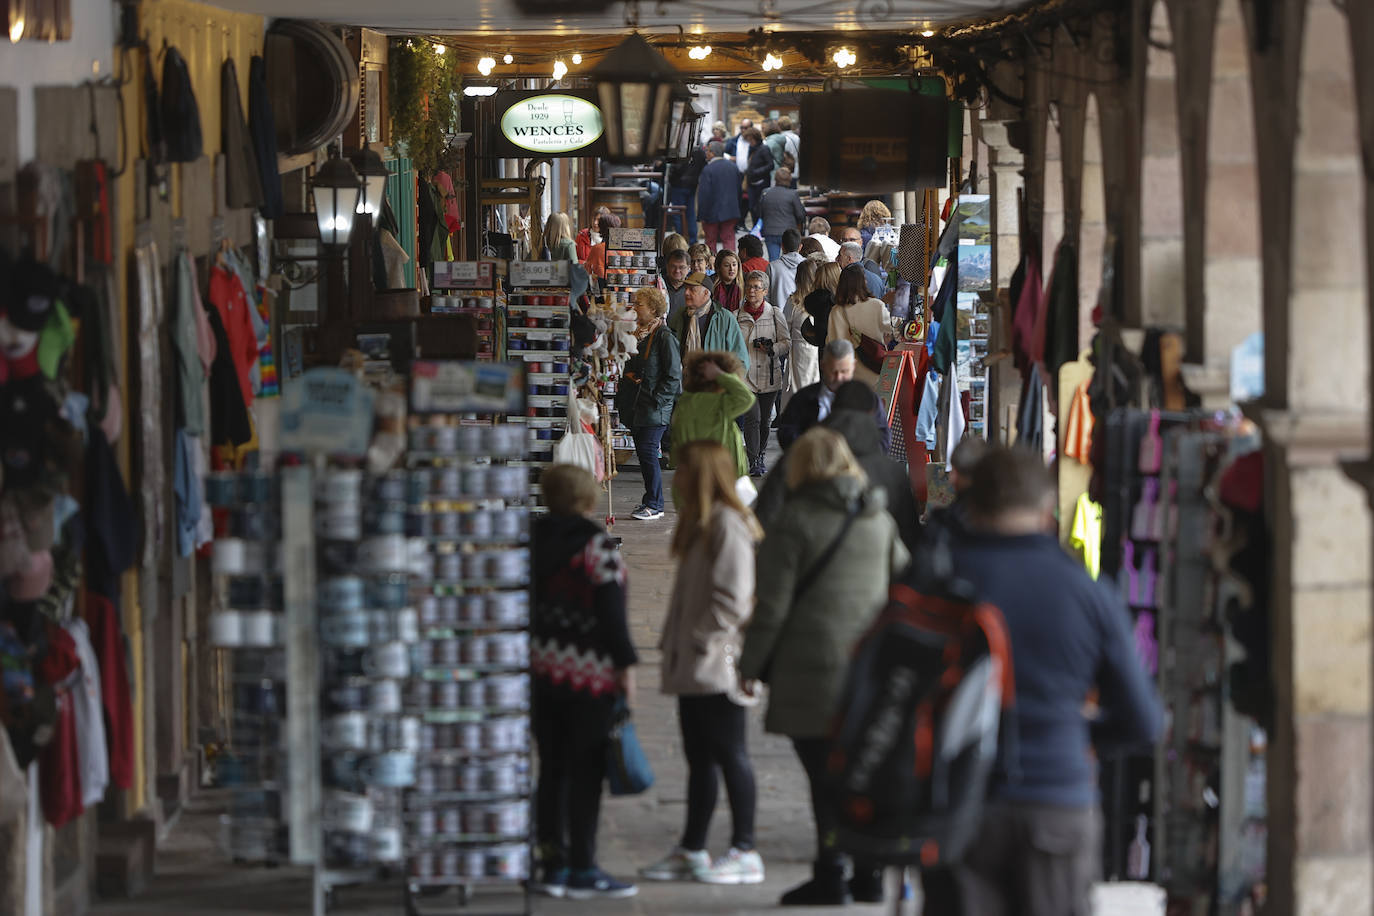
x,y
539,273
632,240
463,275
467,387
326,411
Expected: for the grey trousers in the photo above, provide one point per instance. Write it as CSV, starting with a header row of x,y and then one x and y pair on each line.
x,y
1032,860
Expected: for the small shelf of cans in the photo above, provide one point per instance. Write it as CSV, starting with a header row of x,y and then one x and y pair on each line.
x,y
627,271
538,332
367,628
246,626
468,812
471,288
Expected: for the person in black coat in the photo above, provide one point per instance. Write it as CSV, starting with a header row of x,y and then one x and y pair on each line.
x,y
853,418
760,171
682,191
812,404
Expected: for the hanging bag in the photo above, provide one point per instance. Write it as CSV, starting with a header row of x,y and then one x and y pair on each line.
x,y
627,768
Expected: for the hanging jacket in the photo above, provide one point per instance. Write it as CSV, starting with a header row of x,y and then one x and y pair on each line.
x,y
263,126
180,112
242,183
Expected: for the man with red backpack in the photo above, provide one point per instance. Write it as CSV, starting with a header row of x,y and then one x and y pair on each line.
x,y
1038,850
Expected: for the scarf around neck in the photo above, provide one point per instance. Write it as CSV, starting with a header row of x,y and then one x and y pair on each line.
x,y
728,295
756,314
694,328
644,330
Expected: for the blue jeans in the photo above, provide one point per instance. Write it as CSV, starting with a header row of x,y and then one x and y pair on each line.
x,y
774,243
647,441
685,197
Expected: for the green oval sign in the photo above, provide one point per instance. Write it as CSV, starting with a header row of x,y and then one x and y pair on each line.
x,y
552,123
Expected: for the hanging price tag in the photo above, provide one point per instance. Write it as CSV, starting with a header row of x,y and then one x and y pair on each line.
x,y
539,273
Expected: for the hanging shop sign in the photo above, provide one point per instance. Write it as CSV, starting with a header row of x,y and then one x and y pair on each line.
x,y
876,140
556,124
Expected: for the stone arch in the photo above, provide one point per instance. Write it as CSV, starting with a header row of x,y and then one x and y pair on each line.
x,y
1232,269
1161,206
1093,218
1327,281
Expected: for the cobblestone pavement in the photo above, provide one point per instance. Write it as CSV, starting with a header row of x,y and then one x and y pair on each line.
x,y
194,878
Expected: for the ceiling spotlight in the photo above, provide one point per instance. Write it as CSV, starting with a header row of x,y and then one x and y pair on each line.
x,y
576,58
560,70
485,66
772,62
440,49
844,58
479,90
700,52
928,33
509,58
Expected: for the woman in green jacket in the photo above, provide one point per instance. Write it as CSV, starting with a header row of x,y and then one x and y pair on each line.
x,y
804,639
714,394
658,370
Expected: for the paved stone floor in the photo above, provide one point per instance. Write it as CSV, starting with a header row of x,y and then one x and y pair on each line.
x,y
195,878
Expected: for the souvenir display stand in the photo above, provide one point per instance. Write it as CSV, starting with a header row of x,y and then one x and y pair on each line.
x,y
631,263
246,629
1191,816
538,333
467,816
471,288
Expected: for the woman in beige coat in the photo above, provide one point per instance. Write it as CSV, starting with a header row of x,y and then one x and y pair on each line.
x,y
857,315
713,597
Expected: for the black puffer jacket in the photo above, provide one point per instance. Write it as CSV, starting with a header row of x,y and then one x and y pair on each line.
x,y
865,441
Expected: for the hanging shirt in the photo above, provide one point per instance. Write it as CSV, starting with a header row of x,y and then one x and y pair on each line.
x,y
107,638
1078,433
230,301
1086,534
59,768
90,720
186,343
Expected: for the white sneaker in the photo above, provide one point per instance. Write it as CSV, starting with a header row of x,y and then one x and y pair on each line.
x,y
645,514
735,867
678,865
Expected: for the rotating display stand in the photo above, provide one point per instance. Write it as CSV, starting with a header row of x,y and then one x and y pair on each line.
x,y
468,816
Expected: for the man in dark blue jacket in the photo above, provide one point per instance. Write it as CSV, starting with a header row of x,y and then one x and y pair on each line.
x,y
1039,849
718,198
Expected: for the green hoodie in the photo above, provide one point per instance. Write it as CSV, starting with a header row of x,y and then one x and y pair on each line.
x,y
711,415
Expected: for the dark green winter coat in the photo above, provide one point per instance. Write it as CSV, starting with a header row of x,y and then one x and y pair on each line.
x,y
660,379
808,637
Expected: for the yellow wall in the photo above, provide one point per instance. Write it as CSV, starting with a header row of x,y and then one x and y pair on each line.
x,y
206,36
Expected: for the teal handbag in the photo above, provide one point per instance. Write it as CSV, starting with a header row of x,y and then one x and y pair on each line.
x,y
627,769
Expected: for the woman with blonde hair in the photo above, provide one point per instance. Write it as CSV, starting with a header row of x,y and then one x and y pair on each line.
x,y
713,597
823,572
857,315
728,292
815,329
874,214
558,238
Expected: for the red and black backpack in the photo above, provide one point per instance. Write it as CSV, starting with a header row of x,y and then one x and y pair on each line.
x,y
928,694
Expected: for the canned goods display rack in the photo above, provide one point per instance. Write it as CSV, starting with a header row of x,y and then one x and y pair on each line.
x,y
471,288
468,815
245,629
368,628
538,332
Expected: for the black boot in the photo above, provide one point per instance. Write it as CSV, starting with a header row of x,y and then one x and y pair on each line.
x,y
827,887
867,884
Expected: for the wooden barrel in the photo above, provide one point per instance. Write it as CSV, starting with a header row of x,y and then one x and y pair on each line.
x,y
623,202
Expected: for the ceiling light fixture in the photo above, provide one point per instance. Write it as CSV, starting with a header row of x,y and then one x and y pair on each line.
x,y
844,58
509,58
440,49
485,66
928,33
772,62
636,87
576,58
560,70
700,52
480,91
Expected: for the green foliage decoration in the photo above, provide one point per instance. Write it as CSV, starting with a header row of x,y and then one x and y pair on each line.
x,y
423,88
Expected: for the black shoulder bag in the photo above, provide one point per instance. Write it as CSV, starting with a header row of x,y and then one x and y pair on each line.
x,y
809,578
